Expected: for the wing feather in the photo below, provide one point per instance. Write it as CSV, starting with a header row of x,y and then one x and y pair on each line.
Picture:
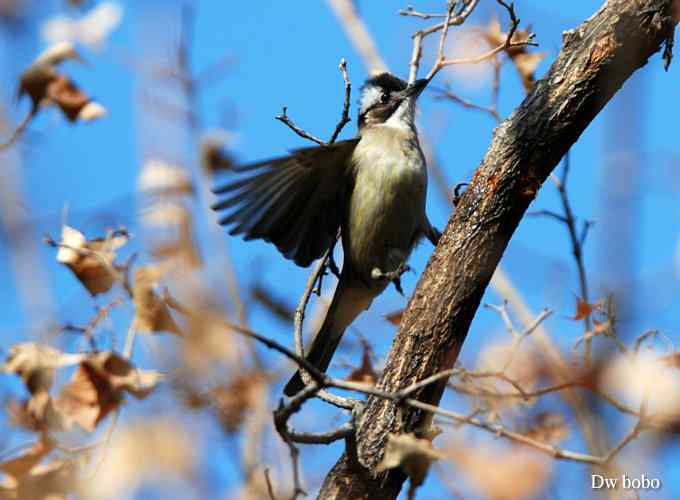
x,y
295,202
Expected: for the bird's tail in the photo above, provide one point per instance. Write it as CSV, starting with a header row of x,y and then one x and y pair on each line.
x,y
348,302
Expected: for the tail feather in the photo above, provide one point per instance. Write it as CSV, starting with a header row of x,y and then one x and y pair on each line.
x,y
347,303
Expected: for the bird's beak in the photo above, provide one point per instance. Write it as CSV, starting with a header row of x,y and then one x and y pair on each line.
x,y
414,89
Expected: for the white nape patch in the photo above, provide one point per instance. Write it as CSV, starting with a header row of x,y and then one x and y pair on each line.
x,y
369,97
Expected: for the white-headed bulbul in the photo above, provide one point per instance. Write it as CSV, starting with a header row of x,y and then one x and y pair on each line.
x,y
372,188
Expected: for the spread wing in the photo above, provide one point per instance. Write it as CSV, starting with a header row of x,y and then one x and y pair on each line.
x,y
295,202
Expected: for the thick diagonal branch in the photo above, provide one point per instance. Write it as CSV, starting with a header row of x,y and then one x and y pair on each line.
x,y
595,60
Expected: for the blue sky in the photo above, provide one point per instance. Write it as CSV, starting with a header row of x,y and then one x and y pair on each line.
x,y
286,54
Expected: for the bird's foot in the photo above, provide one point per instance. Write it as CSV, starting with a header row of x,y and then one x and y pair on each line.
x,y
457,194
393,276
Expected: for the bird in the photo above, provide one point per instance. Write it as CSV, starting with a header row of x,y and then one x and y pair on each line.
x,y
371,189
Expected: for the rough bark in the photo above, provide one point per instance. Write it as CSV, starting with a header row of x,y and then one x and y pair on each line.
x,y
595,60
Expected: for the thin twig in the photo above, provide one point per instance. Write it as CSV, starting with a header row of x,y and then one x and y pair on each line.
x,y
448,94
270,488
410,12
322,437
283,118
19,130
298,321
454,21
577,251
344,118
322,380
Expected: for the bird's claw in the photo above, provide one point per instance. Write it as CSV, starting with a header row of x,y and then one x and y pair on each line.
x,y
393,276
457,195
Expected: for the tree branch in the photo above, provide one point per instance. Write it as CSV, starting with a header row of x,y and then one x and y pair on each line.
x,y
595,60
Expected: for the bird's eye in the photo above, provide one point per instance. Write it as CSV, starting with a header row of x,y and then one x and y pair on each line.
x,y
384,97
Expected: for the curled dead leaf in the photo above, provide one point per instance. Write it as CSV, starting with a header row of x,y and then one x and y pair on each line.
x,y
35,363
22,465
524,61
151,312
412,454
584,309
365,373
52,481
44,85
98,387
67,96
34,81
91,261
395,317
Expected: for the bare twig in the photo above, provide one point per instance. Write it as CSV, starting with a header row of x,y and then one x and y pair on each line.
x,y
270,488
577,251
299,317
283,118
453,21
411,12
19,130
323,437
448,94
321,380
344,118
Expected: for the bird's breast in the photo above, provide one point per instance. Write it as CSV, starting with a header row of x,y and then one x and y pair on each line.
x,y
387,204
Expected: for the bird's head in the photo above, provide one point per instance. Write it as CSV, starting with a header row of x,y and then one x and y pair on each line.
x,y
387,99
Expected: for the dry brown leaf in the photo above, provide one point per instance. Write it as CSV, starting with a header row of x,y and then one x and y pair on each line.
x,y
37,414
97,388
583,309
412,454
501,474
526,64
365,374
52,481
21,465
600,326
34,81
66,94
549,428
151,312
35,364
44,85
91,261
524,61
395,317
236,399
